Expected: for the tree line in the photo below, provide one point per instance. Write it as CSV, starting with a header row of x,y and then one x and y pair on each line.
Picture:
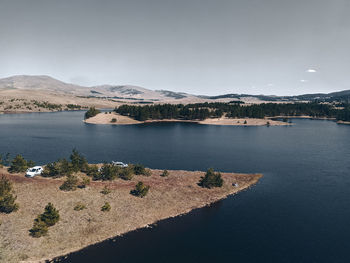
x,y
202,111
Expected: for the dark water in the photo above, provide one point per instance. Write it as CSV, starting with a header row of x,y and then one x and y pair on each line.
x,y
298,212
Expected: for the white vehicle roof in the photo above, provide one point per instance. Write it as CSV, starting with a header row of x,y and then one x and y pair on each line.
x,y
36,167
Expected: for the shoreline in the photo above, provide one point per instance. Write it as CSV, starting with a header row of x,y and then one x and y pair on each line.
x,y
169,197
105,119
146,225
343,122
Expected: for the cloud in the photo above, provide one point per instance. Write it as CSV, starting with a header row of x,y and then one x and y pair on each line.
x,y
310,70
303,80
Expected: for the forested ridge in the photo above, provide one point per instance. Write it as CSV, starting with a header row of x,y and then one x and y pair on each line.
x,y
202,111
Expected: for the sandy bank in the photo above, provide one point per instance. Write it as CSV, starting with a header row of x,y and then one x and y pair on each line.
x,y
243,122
168,197
344,122
103,118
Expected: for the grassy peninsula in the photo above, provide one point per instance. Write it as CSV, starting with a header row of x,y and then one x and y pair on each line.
x,y
75,204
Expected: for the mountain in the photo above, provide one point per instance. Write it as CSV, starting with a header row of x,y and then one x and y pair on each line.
x,y
128,93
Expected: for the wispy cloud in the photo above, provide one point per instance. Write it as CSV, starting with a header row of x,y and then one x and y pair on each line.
x,y
310,70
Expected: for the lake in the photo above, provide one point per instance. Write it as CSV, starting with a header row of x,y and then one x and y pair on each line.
x,y
298,212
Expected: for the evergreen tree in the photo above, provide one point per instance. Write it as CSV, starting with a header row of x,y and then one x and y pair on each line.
x,y
39,228
164,173
70,184
211,179
91,113
19,164
7,198
140,190
78,162
50,216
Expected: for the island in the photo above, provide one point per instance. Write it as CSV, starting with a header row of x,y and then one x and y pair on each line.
x,y
113,118
100,209
217,113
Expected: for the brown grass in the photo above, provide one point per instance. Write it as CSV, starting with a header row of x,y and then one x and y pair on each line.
x,y
168,197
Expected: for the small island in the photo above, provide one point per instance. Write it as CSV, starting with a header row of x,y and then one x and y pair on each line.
x,y
117,119
73,204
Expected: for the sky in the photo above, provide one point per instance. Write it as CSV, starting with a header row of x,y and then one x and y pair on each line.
x,y
209,47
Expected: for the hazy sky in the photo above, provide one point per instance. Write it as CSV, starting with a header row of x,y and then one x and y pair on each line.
x,y
196,46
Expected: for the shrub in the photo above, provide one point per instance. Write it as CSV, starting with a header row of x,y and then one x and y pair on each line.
x,y
70,184
114,120
211,179
105,190
65,167
7,199
126,173
39,228
50,216
84,183
140,190
92,170
106,207
19,164
51,170
58,169
108,172
139,169
79,207
147,172
165,173
4,160
91,112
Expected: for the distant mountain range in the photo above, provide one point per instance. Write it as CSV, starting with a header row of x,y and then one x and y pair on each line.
x,y
123,92
128,92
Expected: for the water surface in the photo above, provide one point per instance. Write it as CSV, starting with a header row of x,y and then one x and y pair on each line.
x,y
298,212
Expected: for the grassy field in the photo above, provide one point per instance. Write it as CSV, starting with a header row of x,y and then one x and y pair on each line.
x,y
168,197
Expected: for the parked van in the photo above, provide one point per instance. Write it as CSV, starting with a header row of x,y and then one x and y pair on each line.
x,y
34,171
120,164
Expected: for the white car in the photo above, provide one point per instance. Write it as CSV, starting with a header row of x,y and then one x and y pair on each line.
x,y
34,171
120,164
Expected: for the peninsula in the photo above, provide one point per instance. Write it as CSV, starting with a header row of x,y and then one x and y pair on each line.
x,y
174,194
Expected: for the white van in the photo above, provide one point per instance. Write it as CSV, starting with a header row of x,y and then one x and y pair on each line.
x,y
120,164
34,171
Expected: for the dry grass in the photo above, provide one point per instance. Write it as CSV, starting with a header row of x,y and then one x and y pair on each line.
x,y
168,197
21,101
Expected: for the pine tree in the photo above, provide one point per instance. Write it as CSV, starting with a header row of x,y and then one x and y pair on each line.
x,y
19,164
50,216
39,228
7,199
140,190
211,179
